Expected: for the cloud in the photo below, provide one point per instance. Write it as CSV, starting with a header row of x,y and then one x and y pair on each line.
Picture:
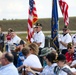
x,y
13,9
18,9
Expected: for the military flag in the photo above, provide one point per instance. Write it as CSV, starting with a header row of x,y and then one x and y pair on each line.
x,y
54,24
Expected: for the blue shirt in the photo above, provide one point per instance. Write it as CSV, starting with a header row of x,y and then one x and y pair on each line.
x,y
20,59
9,69
48,70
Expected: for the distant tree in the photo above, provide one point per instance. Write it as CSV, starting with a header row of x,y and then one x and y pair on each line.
x,y
4,19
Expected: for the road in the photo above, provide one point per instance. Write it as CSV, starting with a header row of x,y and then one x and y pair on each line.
x,y
25,32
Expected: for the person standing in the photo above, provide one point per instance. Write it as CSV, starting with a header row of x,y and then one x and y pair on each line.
x,y
39,38
8,39
64,40
1,40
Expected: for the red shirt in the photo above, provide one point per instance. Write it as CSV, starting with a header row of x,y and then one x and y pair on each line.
x,y
69,57
8,37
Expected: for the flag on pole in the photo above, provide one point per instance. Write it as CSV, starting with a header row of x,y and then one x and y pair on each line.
x,y
64,9
54,24
32,18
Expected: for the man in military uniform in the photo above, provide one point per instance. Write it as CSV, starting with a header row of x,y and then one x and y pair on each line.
x,y
39,38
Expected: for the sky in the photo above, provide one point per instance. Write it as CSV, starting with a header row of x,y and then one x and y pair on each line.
x,y
18,9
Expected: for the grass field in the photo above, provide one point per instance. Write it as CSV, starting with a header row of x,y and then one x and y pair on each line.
x,y
21,25
23,36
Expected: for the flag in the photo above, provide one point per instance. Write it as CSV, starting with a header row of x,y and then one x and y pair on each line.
x,y
32,18
54,24
64,9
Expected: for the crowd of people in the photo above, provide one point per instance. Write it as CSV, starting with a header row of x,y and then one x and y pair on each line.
x,y
19,58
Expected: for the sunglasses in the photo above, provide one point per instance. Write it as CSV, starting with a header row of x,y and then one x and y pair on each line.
x,y
69,47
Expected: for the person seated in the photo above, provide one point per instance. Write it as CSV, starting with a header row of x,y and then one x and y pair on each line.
x,y
46,51
21,57
15,54
15,40
70,55
31,60
62,68
33,50
48,69
8,67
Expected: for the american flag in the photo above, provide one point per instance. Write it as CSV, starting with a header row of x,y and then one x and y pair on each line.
x,y
32,18
64,8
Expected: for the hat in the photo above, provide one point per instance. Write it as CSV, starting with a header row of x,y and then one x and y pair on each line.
x,y
69,45
38,24
45,51
65,27
61,57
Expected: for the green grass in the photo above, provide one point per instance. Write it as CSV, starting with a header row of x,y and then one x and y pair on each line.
x,y
22,36
21,25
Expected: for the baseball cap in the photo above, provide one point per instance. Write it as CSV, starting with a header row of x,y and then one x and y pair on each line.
x,y
69,45
38,24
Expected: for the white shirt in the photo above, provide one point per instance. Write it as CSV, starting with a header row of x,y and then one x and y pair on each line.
x,y
32,39
74,38
66,39
48,70
9,69
33,61
61,72
16,40
40,38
